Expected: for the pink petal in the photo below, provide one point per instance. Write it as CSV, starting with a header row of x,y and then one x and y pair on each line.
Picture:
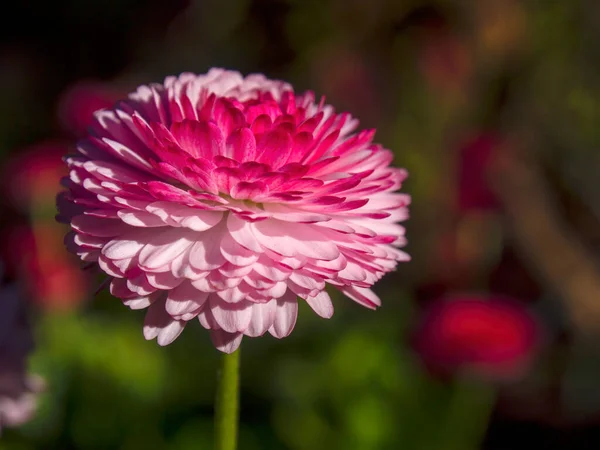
x,y
231,295
140,219
227,117
307,280
231,317
271,270
126,154
138,302
363,296
275,148
98,227
241,231
199,139
207,320
248,190
122,248
235,253
241,145
164,247
158,324
230,270
285,316
290,240
289,214
263,315
163,280
226,342
184,299
206,253
275,291
321,304
226,178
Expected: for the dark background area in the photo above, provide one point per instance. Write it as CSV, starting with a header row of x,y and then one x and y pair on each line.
x,y
494,109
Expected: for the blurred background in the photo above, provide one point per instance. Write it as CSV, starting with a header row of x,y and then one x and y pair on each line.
x,y
486,340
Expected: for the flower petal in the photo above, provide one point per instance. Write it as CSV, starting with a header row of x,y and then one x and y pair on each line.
x,y
286,314
226,342
321,304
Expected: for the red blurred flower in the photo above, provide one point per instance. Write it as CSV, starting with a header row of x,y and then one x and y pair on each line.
x,y
33,174
50,275
493,337
78,103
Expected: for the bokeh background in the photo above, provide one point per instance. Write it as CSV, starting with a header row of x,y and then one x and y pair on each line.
x,y
494,108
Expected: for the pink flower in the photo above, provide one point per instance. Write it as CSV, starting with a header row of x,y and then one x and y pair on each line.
x,y
18,390
225,198
494,337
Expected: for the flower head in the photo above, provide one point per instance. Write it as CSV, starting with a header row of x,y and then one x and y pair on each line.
x,y
18,389
226,198
493,337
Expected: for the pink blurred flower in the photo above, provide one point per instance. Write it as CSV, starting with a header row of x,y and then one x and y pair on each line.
x,y
33,174
18,390
494,337
77,105
225,198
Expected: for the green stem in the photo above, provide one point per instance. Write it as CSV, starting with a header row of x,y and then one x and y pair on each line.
x,y
467,415
227,402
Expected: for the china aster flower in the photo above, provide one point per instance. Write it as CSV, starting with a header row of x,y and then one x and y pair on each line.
x,y
18,389
226,199
494,337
